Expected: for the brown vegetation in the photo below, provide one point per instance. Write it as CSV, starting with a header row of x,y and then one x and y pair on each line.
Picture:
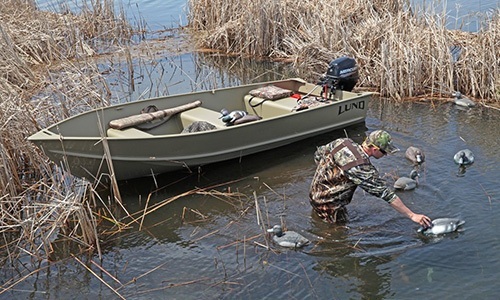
x,y
401,53
47,73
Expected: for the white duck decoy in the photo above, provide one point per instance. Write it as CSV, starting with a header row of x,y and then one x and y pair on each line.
x,y
463,158
405,183
442,226
289,239
460,100
415,155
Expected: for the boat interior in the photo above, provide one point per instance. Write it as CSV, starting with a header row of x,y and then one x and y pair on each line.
x,y
218,109
266,102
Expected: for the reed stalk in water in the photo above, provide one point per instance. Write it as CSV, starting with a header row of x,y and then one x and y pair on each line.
x,y
402,52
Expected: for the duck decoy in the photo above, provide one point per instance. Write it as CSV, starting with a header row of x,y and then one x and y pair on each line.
x,y
405,183
442,226
229,117
415,155
289,239
460,100
464,157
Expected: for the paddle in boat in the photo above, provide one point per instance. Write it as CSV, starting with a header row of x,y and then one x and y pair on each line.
x,y
169,133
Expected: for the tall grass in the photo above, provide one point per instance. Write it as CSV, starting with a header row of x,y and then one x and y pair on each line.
x,y
48,72
401,52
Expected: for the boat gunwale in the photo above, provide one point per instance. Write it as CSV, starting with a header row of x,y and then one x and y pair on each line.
x,y
49,133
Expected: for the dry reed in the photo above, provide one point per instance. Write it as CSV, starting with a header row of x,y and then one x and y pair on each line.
x,y
401,52
48,73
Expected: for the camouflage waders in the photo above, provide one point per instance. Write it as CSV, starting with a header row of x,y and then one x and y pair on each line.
x,y
342,166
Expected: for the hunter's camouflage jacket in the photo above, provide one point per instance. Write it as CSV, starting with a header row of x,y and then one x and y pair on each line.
x,y
332,185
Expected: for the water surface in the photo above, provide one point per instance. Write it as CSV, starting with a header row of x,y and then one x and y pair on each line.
x,y
210,246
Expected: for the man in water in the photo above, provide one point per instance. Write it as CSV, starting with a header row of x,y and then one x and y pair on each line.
x,y
344,165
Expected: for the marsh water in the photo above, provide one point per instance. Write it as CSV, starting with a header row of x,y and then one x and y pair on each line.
x,y
209,245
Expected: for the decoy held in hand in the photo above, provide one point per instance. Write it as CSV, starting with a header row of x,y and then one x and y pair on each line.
x,y
442,226
415,155
405,183
290,239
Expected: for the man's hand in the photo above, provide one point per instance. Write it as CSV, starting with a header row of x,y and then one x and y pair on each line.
x,y
423,220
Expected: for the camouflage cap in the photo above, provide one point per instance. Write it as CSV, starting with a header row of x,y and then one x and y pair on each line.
x,y
383,140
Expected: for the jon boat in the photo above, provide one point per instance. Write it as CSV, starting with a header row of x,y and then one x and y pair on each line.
x,y
142,144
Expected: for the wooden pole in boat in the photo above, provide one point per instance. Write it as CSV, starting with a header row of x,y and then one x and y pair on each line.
x,y
147,117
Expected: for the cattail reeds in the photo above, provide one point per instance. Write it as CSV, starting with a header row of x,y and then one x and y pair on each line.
x,y
48,73
401,51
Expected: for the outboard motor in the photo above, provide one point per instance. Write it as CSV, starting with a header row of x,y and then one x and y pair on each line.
x,y
342,75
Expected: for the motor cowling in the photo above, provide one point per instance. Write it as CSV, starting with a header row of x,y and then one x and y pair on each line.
x,y
342,74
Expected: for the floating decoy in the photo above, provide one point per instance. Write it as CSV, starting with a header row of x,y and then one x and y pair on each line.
x,y
229,117
442,226
460,100
289,239
405,183
464,157
415,155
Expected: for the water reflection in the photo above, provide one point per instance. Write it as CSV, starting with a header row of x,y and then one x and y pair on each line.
x,y
350,259
169,71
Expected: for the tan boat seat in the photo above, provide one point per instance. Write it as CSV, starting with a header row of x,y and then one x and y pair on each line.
x,y
269,108
127,133
201,114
